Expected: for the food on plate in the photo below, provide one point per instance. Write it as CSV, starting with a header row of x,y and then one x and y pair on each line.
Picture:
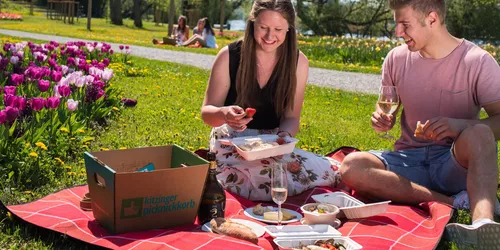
x,y
273,215
233,229
321,209
419,131
260,210
281,141
322,245
257,145
250,112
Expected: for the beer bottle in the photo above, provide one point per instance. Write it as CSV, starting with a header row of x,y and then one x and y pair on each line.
x,y
213,200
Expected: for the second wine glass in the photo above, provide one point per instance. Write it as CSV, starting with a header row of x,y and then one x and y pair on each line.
x,y
279,186
388,102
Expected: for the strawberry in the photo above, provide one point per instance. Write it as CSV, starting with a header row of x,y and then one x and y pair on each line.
x,y
281,141
250,112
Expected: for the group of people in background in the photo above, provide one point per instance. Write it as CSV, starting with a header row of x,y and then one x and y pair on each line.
x,y
203,34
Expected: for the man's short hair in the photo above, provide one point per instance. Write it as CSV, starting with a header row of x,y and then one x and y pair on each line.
x,y
423,6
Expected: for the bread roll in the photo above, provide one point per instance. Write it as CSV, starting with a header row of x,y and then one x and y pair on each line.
x,y
233,229
419,131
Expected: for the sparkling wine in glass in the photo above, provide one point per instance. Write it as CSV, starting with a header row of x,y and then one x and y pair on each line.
x,y
388,102
279,186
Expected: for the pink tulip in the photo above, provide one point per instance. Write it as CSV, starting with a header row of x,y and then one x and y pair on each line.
x,y
72,104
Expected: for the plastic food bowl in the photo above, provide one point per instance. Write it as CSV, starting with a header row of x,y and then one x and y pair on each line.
x,y
320,218
283,149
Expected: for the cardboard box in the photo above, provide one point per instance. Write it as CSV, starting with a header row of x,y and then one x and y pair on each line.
x,y
124,200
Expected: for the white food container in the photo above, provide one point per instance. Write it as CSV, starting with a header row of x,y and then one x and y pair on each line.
x,y
288,243
351,207
320,218
286,148
301,231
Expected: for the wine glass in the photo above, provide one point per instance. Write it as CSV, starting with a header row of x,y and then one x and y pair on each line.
x,y
279,186
388,102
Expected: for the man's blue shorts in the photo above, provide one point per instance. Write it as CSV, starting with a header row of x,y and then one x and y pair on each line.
x,y
434,167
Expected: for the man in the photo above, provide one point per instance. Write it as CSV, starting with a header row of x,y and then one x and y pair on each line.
x,y
443,82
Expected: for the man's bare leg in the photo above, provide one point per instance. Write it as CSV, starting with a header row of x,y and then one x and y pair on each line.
x,y
475,150
365,173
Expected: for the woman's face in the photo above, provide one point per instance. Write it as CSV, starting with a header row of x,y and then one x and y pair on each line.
x,y
270,30
201,23
180,21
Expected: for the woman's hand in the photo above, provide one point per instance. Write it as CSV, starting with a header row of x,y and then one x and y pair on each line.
x,y
234,117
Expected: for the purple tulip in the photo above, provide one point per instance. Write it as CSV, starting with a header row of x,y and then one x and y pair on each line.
x,y
64,90
6,47
3,116
100,93
10,100
71,61
37,103
111,51
129,102
9,90
12,113
52,102
99,84
127,47
55,76
121,47
43,85
20,103
16,79
45,71
105,61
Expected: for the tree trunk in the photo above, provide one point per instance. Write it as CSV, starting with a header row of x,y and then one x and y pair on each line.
x,y
89,14
31,7
115,12
157,12
171,14
222,5
137,14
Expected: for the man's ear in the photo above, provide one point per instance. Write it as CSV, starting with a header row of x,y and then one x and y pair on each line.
x,y
433,18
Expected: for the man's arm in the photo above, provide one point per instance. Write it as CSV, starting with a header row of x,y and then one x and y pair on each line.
x,y
493,120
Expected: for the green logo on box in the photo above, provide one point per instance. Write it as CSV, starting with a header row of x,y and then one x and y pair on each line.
x,y
138,207
131,208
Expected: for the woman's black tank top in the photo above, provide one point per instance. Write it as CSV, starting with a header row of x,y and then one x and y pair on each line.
x,y
266,116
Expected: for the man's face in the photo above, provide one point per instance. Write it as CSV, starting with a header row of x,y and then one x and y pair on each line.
x,y
412,27
270,30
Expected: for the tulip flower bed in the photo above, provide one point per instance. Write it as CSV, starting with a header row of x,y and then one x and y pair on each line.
x,y
53,97
11,16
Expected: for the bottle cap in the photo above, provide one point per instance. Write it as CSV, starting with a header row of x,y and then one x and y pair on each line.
x,y
211,156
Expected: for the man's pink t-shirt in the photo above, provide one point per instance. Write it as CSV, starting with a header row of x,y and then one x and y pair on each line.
x,y
456,86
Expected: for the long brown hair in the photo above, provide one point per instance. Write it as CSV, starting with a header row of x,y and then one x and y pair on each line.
x,y
286,67
182,27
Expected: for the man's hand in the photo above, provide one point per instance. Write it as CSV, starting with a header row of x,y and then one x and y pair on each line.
x,y
382,122
438,128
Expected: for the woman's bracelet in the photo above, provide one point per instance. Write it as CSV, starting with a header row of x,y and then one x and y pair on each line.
x,y
284,131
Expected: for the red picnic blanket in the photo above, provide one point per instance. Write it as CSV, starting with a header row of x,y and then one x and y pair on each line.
x,y
401,227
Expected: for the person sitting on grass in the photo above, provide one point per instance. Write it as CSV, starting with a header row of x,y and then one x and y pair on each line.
x,y
267,72
180,34
198,30
442,81
207,38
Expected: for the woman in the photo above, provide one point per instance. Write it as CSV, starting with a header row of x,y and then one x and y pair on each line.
x,y
180,34
207,38
266,72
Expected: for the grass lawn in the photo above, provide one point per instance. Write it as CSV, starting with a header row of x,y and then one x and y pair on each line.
x,y
168,111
